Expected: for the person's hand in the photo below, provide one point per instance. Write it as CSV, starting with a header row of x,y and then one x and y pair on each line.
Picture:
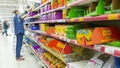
x,y
24,16
26,11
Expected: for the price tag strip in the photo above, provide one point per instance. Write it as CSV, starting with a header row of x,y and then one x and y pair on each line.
x,y
113,17
97,47
109,50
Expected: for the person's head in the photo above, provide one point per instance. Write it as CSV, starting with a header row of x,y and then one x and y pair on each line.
x,y
5,21
16,12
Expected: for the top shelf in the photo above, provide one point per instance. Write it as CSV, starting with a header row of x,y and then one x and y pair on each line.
x,y
83,19
80,2
36,9
115,16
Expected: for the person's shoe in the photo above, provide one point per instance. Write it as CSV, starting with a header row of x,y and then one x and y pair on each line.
x,y
21,55
20,59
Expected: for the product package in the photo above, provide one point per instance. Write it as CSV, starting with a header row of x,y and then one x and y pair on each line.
x,y
98,35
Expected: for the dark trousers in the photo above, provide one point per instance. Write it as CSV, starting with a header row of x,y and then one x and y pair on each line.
x,y
19,41
5,31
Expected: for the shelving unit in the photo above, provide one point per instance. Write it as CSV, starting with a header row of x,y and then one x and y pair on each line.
x,y
103,48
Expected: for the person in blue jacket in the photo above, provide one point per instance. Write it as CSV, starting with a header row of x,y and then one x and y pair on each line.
x,y
19,32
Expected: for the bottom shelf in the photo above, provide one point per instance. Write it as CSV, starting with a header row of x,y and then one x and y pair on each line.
x,y
38,57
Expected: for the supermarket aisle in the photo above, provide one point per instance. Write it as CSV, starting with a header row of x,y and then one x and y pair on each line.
x,y
7,55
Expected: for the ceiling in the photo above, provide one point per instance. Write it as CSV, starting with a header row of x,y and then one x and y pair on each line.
x,y
7,6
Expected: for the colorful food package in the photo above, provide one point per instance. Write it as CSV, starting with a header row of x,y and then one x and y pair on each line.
x,y
52,61
76,12
57,30
60,30
69,1
65,13
100,61
60,47
50,30
54,4
44,1
43,27
61,2
84,35
114,43
98,35
105,34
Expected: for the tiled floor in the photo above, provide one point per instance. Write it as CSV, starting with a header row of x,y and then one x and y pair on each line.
x,y
7,55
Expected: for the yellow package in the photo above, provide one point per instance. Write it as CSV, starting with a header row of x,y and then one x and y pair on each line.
x,y
84,35
65,13
60,30
57,29
43,27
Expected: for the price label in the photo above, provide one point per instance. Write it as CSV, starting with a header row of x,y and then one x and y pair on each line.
x,y
109,50
72,20
60,20
76,42
64,39
60,37
97,47
113,17
81,19
68,40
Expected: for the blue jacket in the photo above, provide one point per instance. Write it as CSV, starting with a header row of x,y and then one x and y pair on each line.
x,y
18,25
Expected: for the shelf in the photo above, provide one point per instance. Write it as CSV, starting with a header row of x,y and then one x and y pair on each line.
x,y
49,21
80,2
55,53
96,18
35,16
38,57
115,51
59,8
36,9
41,59
83,19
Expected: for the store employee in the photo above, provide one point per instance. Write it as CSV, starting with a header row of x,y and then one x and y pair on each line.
x,y
19,32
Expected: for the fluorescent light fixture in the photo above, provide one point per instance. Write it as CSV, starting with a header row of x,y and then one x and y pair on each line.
x,y
10,5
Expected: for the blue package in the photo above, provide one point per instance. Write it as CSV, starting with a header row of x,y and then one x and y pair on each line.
x,y
36,27
117,62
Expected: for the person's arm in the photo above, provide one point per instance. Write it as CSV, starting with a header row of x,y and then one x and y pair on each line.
x,y
21,16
